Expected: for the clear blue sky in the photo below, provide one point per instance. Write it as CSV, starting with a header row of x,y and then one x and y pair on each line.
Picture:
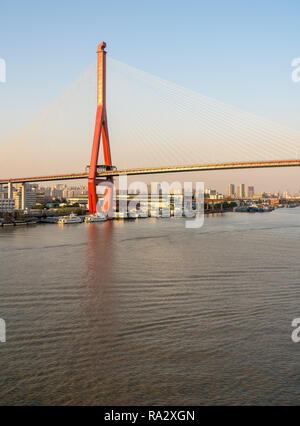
x,y
238,51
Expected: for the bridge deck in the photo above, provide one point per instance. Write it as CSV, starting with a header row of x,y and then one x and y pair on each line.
x,y
158,170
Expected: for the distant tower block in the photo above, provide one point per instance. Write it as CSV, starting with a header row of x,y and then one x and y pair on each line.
x,y
101,130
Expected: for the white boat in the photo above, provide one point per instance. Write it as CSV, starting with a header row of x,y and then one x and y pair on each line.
x,y
73,218
95,218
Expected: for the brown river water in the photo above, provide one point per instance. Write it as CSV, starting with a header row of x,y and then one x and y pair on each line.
x,y
148,312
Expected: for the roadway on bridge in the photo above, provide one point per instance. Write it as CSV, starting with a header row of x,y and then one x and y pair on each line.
x,y
157,170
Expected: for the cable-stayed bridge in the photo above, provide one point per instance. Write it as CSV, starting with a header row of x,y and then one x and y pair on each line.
x,y
155,126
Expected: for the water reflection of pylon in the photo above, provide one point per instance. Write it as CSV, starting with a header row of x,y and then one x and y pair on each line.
x,y
100,253
100,303
101,130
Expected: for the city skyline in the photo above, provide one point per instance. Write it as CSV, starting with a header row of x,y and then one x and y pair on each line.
x,y
20,197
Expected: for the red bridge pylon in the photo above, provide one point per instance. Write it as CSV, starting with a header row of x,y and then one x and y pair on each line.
x,y
101,130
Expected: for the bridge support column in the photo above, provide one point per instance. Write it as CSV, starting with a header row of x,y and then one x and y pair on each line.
x,y
92,196
101,130
23,196
10,190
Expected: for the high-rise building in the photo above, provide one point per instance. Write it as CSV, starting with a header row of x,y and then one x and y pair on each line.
x,y
250,192
24,196
240,192
230,190
7,205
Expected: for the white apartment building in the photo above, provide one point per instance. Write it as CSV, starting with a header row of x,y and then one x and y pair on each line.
x,y
7,205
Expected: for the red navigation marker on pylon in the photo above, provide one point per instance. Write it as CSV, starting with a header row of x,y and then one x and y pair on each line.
x,y
101,130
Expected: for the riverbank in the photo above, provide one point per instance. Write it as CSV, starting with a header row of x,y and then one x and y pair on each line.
x,y
53,219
